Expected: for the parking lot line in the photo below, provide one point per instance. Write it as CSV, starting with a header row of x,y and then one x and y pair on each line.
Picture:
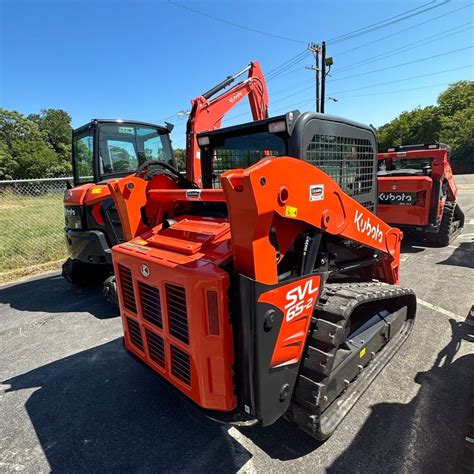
x,y
440,310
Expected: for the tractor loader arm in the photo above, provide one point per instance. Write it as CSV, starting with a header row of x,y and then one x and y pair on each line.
x,y
267,199
207,113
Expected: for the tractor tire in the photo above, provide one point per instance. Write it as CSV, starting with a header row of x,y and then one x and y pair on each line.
x,y
110,290
83,274
451,226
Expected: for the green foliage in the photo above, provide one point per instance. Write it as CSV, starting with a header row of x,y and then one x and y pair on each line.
x,y
37,146
180,157
451,121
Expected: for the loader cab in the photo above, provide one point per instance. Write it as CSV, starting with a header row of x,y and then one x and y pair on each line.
x,y
345,150
104,149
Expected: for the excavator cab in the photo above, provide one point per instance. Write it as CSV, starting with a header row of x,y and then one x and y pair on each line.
x,y
104,150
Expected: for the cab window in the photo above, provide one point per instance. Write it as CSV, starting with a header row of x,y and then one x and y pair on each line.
x,y
83,158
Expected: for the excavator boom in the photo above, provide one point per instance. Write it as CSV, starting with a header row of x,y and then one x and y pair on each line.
x,y
207,113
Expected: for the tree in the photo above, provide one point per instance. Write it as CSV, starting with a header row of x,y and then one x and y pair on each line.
x,y
458,96
451,121
25,151
180,157
55,125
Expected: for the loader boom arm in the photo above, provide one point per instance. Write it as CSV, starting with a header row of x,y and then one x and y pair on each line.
x,y
283,196
207,113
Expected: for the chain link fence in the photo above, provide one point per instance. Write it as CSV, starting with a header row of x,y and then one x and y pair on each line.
x,y
31,226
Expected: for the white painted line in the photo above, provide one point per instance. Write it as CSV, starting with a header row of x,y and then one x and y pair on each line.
x,y
471,222
248,466
441,310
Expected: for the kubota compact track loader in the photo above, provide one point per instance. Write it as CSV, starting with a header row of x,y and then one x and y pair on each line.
x,y
417,191
273,291
106,149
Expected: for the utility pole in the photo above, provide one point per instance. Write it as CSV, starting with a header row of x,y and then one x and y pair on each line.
x,y
323,76
315,49
326,62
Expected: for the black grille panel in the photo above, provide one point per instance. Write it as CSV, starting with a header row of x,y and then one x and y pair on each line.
x,y
349,161
180,365
156,347
126,285
134,333
150,304
227,159
177,314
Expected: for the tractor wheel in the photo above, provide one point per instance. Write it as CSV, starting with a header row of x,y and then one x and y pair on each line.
x,y
110,290
82,274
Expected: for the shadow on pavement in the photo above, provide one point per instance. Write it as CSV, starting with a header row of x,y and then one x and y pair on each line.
x,y
52,294
101,411
423,435
462,256
412,244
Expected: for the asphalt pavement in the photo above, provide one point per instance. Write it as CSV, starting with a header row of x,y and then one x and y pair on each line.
x,y
72,400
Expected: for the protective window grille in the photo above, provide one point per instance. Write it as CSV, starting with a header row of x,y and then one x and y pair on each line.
x,y
228,159
349,161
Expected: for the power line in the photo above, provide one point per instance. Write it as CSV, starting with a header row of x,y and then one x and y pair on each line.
x,y
405,79
288,61
402,64
273,75
408,47
396,91
356,88
388,22
417,26
237,25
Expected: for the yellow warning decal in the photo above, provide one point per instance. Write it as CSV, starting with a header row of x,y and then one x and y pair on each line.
x,y
142,242
291,211
96,191
362,352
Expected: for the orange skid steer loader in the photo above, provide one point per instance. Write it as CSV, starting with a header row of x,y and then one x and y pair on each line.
x,y
273,290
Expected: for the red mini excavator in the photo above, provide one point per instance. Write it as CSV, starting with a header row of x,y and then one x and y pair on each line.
x,y
108,149
417,191
273,290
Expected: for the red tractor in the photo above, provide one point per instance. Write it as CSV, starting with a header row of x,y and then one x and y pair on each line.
x,y
273,290
417,191
108,149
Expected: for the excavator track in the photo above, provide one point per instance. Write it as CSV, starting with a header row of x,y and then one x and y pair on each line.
x,y
356,330
452,224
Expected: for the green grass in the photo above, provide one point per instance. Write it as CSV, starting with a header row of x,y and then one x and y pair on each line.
x,y
31,230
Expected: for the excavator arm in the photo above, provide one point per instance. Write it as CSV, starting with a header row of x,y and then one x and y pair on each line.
x,y
207,113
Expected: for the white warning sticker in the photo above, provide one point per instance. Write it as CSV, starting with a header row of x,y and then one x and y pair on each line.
x,y
316,192
193,194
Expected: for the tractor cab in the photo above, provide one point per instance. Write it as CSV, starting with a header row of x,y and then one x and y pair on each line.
x,y
104,150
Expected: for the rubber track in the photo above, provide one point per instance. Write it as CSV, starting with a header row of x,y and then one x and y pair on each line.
x,y
336,304
447,233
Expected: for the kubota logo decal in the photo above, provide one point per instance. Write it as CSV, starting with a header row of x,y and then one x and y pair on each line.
x,y
144,270
364,226
295,301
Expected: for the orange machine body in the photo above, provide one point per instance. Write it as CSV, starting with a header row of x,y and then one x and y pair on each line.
x,y
416,213
174,278
416,201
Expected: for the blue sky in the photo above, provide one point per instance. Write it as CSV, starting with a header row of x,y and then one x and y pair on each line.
x,y
146,60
